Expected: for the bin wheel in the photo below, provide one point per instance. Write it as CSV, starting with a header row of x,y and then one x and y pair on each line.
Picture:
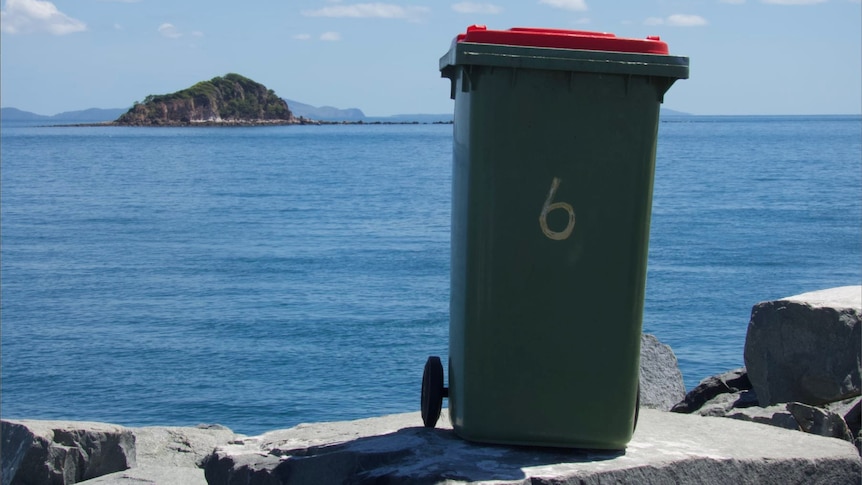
x,y
637,408
432,391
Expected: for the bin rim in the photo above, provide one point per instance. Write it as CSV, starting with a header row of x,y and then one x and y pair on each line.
x,y
465,54
563,39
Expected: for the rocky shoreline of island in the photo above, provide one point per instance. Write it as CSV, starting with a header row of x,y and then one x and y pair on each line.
x,y
245,123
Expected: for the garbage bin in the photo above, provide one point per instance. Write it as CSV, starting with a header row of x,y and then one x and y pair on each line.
x,y
553,160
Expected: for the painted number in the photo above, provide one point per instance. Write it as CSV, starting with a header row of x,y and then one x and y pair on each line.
x,y
548,207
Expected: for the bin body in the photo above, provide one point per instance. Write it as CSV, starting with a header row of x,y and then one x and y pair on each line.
x,y
553,161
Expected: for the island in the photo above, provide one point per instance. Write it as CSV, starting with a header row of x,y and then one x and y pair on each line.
x,y
229,100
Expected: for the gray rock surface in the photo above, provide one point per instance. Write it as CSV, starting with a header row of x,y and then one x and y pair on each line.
x,y
661,383
61,452
835,420
794,415
722,404
851,410
730,382
776,415
170,455
180,446
819,421
666,448
152,475
57,452
806,348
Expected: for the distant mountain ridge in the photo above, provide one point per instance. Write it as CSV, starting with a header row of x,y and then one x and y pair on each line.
x,y
670,112
353,115
324,113
92,115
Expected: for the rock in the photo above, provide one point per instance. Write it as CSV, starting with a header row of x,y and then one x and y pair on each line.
x,y
819,421
851,410
797,416
733,381
835,420
61,452
776,415
806,348
666,448
722,404
152,475
661,384
852,417
180,446
171,455
57,452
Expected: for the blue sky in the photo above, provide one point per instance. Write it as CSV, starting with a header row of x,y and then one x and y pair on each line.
x,y
747,56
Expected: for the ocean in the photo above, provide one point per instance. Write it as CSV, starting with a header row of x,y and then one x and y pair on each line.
x,y
266,276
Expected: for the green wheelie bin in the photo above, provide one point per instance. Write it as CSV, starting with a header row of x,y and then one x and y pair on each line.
x,y
553,162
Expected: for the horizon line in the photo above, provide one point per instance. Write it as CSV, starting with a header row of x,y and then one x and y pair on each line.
x,y
681,113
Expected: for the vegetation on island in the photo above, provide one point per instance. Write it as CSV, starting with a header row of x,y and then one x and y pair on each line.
x,y
231,98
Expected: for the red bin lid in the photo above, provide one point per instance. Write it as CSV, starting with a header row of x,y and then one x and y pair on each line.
x,y
563,39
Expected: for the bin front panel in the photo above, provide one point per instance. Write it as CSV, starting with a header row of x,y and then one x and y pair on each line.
x,y
552,189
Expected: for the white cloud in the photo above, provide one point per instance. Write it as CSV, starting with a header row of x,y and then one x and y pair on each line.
x,y
330,36
793,2
683,20
118,27
677,20
302,36
33,16
470,7
734,2
369,10
169,31
573,5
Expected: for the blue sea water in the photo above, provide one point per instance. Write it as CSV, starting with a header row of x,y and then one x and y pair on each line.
x,y
262,277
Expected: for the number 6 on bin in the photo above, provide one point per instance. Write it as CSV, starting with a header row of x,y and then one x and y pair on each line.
x,y
548,207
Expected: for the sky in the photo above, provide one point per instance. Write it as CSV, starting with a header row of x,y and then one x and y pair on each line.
x,y
762,57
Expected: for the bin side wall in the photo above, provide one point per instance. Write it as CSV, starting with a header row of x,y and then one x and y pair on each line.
x,y
548,277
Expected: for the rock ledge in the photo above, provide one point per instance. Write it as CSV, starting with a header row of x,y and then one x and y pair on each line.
x,y
667,448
